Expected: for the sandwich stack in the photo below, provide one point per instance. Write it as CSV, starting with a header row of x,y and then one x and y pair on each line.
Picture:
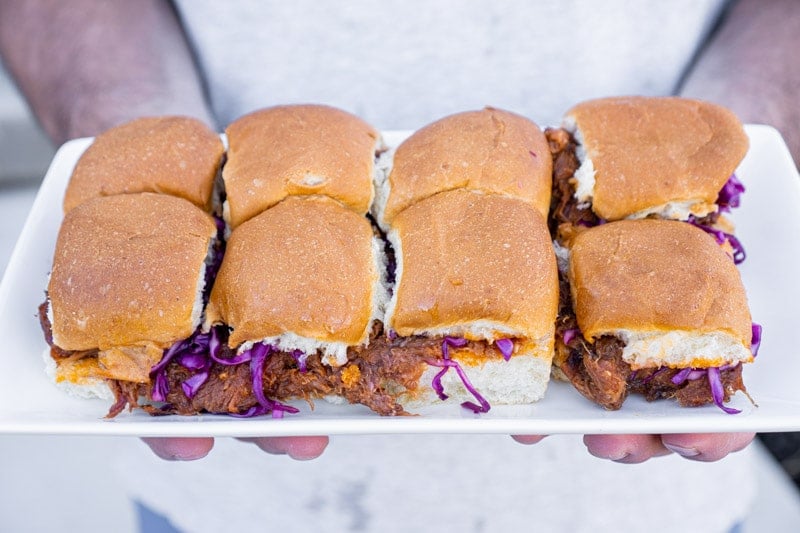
x,y
131,265
311,262
475,286
651,301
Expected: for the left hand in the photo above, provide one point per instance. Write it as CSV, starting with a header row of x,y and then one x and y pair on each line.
x,y
191,449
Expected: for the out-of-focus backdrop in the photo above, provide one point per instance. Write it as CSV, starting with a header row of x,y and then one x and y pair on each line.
x,y
67,484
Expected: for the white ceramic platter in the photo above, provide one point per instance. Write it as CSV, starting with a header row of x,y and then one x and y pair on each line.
x,y
768,225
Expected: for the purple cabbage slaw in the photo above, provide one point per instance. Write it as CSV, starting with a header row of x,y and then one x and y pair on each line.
x,y
720,236
714,373
692,374
197,353
506,347
729,197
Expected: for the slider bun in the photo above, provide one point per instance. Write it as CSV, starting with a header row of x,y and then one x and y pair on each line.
x,y
303,274
127,279
664,287
491,150
179,156
473,265
650,152
298,150
520,380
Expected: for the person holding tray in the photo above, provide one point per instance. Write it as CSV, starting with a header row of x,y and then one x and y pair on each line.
x,y
86,66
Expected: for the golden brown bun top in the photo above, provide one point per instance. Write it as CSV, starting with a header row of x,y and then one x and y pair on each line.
x,y
298,150
469,257
179,156
491,150
126,271
648,151
654,276
304,266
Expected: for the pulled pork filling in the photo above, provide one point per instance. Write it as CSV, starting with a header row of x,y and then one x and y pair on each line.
x,y
601,375
371,377
565,211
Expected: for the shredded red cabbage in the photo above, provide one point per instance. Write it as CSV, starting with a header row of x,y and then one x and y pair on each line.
x,y
755,343
739,254
193,384
214,346
569,335
301,358
197,352
681,376
506,347
718,391
260,353
446,363
730,195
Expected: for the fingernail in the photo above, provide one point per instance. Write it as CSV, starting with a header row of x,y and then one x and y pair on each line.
x,y
680,450
619,457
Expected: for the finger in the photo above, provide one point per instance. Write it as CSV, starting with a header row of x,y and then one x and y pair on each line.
x,y
706,446
180,449
300,448
528,439
628,449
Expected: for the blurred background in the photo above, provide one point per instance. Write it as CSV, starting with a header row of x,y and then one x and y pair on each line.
x,y
46,482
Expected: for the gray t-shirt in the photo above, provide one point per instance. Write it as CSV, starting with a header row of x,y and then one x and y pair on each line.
x,y
402,63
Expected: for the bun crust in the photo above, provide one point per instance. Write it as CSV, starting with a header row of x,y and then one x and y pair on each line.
x,y
650,151
305,266
179,156
298,150
467,259
655,276
126,271
491,150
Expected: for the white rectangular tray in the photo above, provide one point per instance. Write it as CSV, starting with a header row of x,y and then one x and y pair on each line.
x,y
768,225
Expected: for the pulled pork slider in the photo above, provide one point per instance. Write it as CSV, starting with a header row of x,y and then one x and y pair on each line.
x,y
300,289
491,150
298,150
127,283
174,155
636,157
475,300
653,307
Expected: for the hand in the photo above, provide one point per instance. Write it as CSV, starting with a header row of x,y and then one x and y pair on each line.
x,y
632,449
191,449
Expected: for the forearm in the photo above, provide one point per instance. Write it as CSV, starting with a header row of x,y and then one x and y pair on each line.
x,y
85,65
752,66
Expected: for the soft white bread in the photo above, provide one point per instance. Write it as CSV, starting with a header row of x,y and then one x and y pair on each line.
x,y
480,267
298,150
127,279
666,288
640,155
491,150
172,155
305,274
520,380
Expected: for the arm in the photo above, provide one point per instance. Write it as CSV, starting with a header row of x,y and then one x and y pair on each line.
x,y
85,65
752,66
